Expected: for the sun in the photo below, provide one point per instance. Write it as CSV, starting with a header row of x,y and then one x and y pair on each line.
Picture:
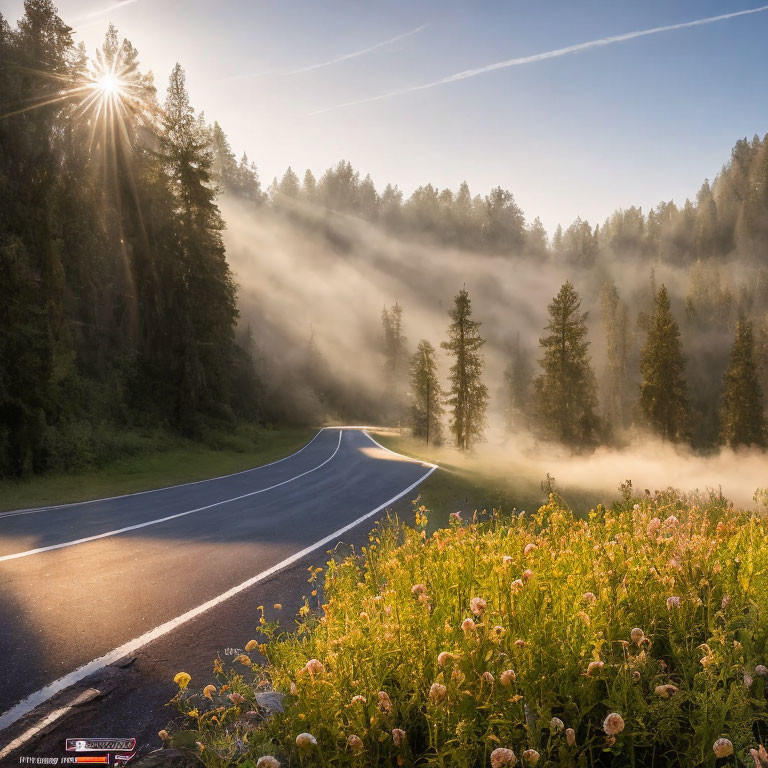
x,y
109,85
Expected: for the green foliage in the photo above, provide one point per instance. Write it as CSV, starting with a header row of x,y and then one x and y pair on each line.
x,y
468,396
426,393
395,359
116,301
566,391
742,418
663,392
479,636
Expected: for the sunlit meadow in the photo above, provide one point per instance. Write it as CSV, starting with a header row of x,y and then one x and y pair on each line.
x,y
634,637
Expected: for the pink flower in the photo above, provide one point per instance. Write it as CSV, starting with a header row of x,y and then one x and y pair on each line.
x,y
501,758
613,724
444,657
437,692
673,602
357,699
236,698
506,560
314,667
355,743
653,528
665,691
468,626
637,635
531,756
595,666
398,736
527,574
517,584
385,703
570,737
488,678
507,677
418,589
455,516
529,548
477,605
589,597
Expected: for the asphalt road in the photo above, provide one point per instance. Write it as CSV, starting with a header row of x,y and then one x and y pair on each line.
x,y
167,579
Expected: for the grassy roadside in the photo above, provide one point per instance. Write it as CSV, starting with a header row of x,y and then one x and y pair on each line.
x,y
474,482
183,461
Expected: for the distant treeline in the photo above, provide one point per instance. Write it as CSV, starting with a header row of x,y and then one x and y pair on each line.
x,y
729,216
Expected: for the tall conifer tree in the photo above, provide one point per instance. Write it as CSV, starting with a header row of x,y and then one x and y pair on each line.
x,y
427,407
742,418
566,391
468,395
663,391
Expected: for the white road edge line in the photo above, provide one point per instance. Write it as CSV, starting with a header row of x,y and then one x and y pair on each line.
x,y
44,694
107,534
30,510
52,717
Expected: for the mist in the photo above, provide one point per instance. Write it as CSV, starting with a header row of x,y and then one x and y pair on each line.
x,y
309,273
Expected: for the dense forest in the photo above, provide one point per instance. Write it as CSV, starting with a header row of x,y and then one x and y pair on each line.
x,y
127,222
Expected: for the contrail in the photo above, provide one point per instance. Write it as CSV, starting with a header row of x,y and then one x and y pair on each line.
x,y
557,53
355,54
108,9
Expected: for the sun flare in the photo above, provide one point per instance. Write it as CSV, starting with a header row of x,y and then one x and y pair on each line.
x,y
109,85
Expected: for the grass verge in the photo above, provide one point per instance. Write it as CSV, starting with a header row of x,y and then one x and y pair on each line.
x,y
470,482
179,461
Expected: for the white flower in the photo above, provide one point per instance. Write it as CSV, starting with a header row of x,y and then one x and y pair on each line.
x,y
673,602
570,737
613,724
418,589
267,762
398,736
556,724
468,626
529,548
722,748
665,691
637,635
502,757
306,741
761,670
589,597
357,699
355,743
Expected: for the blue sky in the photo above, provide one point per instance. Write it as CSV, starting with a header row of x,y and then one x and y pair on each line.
x,y
629,123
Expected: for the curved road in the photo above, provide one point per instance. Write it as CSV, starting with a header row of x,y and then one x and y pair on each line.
x,y
84,586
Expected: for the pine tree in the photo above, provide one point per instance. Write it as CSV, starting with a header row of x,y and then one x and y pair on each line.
x,y
616,326
427,408
663,391
202,291
468,396
742,418
518,377
395,351
566,391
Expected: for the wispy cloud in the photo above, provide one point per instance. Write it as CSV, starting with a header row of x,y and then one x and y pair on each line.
x,y
356,54
557,53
